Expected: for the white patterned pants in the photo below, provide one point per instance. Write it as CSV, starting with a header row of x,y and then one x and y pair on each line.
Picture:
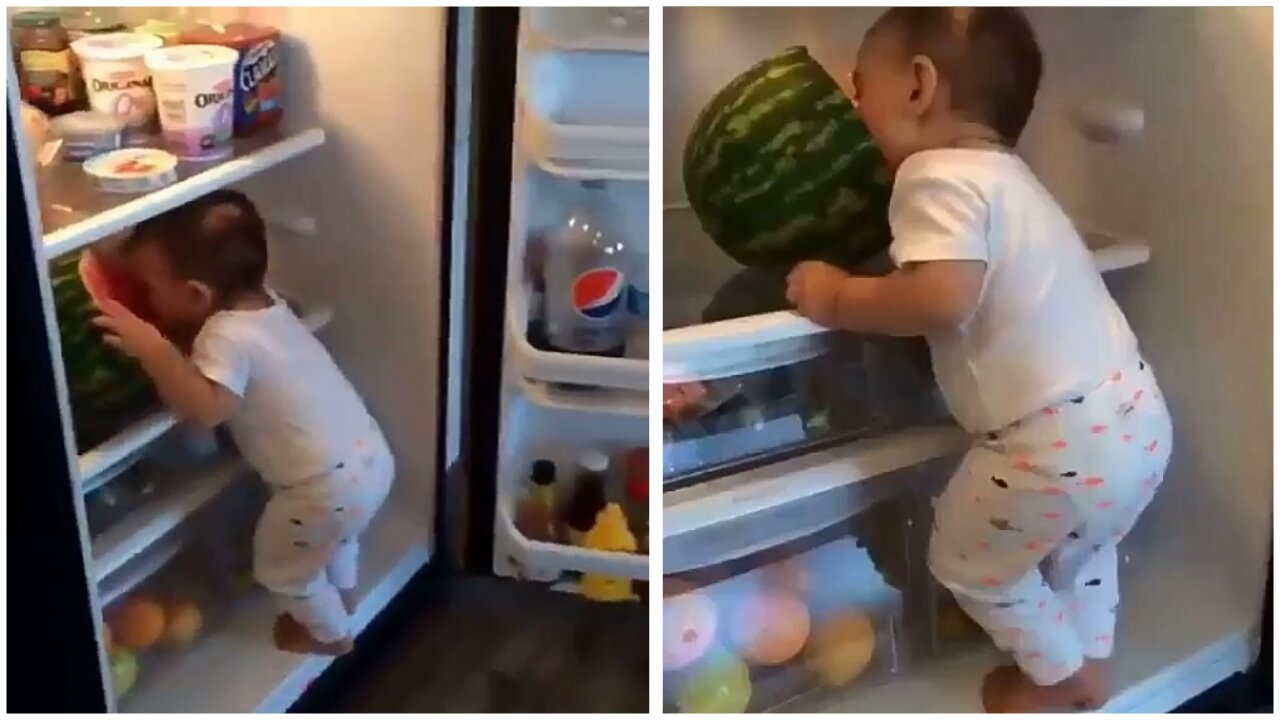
x,y
1025,534
306,547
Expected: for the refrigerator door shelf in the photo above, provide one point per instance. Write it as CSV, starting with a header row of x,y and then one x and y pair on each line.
x,y
598,28
75,213
541,423
627,373
100,464
583,152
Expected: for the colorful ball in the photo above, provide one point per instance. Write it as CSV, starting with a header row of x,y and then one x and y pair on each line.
x,y
721,684
688,628
138,622
770,627
841,648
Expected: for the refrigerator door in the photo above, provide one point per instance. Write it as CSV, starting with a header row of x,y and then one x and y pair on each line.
x,y
580,139
49,577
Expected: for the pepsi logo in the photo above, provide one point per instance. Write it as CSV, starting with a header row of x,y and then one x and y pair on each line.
x,y
597,293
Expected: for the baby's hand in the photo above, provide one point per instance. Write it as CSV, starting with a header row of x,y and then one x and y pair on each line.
x,y
813,287
127,332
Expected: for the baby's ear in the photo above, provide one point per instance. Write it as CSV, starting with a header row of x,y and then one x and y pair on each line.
x,y
201,295
926,83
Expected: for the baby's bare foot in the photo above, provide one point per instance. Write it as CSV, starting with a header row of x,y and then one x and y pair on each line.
x,y
1007,690
292,636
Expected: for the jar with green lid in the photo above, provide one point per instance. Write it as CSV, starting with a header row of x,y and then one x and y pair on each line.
x,y
166,30
91,21
45,66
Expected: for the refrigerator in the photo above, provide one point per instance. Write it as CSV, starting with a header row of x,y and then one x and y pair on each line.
x,y
799,464
416,150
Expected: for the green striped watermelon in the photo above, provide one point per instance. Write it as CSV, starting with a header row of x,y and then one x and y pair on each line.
x,y
107,388
779,168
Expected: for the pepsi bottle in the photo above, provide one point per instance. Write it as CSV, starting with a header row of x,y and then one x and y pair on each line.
x,y
586,260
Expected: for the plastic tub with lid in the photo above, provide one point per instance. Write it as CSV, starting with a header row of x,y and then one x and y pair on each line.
x,y
195,88
118,80
258,82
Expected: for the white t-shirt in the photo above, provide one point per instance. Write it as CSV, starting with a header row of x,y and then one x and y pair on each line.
x,y
298,415
1046,329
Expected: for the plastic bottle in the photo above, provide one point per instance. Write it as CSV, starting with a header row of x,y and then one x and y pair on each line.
x,y
536,511
588,496
586,266
638,303
636,487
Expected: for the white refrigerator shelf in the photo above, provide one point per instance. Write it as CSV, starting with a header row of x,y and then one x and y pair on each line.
x,y
75,213
161,515
544,423
775,486
141,567
749,344
102,463
599,29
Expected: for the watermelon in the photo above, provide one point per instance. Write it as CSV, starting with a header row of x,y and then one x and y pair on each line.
x,y
107,388
779,168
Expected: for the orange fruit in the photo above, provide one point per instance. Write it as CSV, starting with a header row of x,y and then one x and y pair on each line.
x,y
183,621
108,638
842,647
770,627
138,622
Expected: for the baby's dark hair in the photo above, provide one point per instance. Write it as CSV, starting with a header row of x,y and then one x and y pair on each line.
x,y
988,55
218,239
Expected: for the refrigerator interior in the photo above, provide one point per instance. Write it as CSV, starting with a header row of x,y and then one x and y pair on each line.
x,y
1194,189
351,188
581,124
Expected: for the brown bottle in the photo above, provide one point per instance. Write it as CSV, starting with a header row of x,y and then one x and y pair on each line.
x,y
588,496
536,511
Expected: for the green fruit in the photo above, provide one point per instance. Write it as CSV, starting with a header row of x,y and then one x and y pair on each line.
x,y
124,671
107,389
779,168
721,684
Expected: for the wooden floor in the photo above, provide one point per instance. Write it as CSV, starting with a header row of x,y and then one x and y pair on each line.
x,y
491,645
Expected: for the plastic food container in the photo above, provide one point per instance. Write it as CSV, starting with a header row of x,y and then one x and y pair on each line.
x,y
132,170
87,133
257,76
195,89
117,79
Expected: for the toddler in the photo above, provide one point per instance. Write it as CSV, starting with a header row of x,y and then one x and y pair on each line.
x,y
1032,355
294,417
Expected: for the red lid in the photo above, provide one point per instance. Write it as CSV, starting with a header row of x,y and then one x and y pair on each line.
x,y
637,483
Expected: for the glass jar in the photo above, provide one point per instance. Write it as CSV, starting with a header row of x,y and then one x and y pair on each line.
x,y
45,65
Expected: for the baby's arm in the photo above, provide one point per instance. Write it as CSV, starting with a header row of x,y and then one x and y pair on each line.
x,y
919,299
939,220
183,388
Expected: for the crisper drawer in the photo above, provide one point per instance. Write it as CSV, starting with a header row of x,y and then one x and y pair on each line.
x,y
560,426
823,611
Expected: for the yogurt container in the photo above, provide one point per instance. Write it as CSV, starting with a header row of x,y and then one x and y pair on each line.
x,y
195,87
258,80
117,79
